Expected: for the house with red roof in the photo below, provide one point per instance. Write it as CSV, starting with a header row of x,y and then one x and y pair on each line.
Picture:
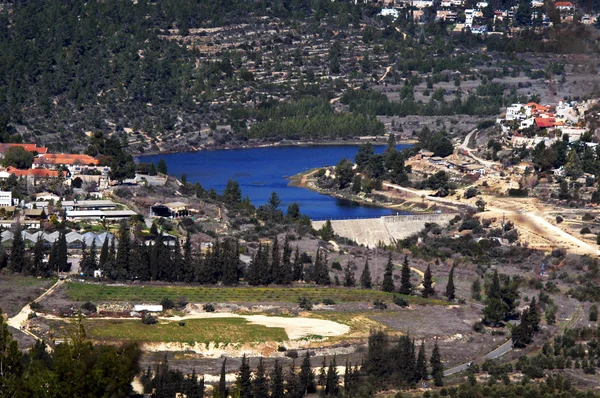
x,y
564,6
52,160
33,176
33,148
545,122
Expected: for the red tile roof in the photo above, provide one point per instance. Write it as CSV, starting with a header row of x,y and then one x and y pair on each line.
x,y
65,159
563,4
545,122
32,172
27,147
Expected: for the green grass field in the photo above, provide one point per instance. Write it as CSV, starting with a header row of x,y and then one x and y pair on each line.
x,y
84,292
217,330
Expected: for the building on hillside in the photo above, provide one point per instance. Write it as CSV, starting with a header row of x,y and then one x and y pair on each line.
x,y
46,197
5,198
99,215
564,6
53,160
36,150
89,205
33,176
169,210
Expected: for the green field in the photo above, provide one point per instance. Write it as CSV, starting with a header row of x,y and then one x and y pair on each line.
x,y
85,292
217,330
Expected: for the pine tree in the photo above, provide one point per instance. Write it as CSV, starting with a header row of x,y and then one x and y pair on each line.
x,y
388,281
17,260
286,262
347,378
349,277
244,379
292,385
253,271
322,379
307,377
188,260
428,289
405,284
365,277
277,276
230,255
260,386
437,370
38,257
222,387
103,254
298,267
277,387
123,252
450,291
332,383
421,366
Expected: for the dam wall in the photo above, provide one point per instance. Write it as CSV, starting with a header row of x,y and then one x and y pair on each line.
x,y
387,229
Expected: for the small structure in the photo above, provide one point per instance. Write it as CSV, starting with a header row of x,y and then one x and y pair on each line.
x,y
148,308
170,210
89,205
5,198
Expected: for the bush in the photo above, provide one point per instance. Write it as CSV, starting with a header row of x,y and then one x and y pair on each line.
x,y
328,301
559,219
148,319
31,315
208,307
36,306
379,304
336,265
471,192
167,303
479,327
305,303
182,301
400,301
281,348
181,323
292,354
585,230
517,193
89,307
587,217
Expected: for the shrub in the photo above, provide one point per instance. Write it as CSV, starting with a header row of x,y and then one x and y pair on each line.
x,y
292,354
336,265
559,219
281,348
478,327
305,303
587,217
31,315
585,230
89,306
328,301
471,192
517,193
167,303
379,304
400,301
36,306
148,319
181,323
182,301
208,307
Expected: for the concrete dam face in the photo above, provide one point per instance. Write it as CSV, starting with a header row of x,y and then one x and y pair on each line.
x,y
371,231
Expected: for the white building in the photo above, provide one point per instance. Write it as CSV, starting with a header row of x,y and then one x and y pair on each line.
x,y
5,198
389,12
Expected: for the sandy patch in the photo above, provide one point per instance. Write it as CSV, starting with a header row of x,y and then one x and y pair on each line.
x,y
295,328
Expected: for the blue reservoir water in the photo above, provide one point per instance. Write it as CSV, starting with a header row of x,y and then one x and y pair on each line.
x,y
261,171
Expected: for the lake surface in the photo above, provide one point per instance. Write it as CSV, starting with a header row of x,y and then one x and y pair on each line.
x,y
261,171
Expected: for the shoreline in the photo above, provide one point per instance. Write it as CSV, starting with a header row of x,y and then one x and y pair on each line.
x,y
270,145
300,180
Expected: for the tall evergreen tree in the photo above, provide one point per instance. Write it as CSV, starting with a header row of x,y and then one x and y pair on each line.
x,y
277,386
307,377
286,263
292,384
349,277
450,290
405,284
230,255
222,387
428,289
253,271
188,260
298,267
277,276
260,386
437,369
244,379
17,260
38,258
103,254
421,367
332,383
123,252
322,378
388,280
365,277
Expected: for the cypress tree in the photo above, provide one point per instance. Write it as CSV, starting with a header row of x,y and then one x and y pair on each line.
x,y
437,370
450,291
378,361
322,379
421,366
405,284
286,263
347,378
188,260
38,257
307,377
365,277
292,385
260,386
230,254
332,383
103,254
17,260
222,388
61,253
349,277
276,271
298,267
123,252
277,387
252,273
388,281
428,289
244,379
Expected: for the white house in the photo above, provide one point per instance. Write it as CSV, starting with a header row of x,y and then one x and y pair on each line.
x,y
389,12
5,198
